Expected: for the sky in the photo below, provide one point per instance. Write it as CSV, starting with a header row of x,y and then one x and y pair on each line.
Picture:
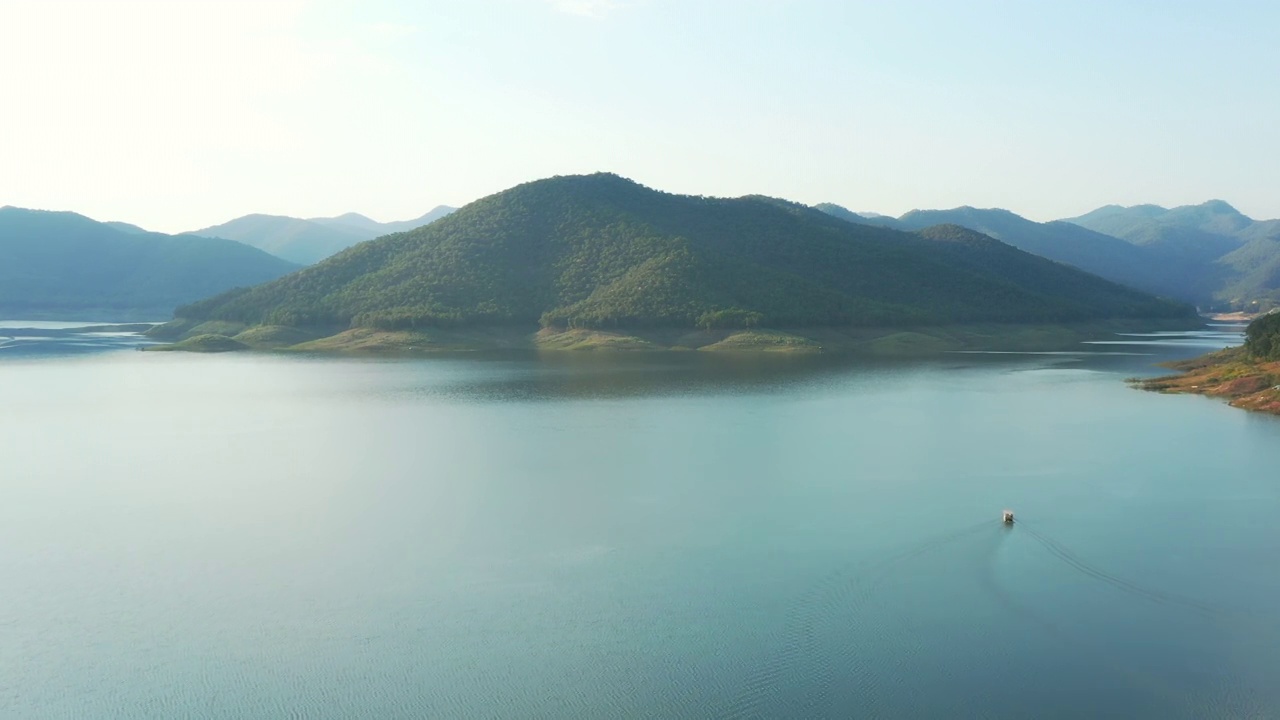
x,y
180,114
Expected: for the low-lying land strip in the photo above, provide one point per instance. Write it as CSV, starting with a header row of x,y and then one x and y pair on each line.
x,y
221,336
1248,376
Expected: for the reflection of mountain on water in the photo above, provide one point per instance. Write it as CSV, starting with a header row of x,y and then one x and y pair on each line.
x,y
578,375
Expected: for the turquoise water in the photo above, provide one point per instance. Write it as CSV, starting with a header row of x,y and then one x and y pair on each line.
x,y
633,536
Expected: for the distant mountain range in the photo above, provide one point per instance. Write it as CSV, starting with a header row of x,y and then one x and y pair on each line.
x,y
1227,258
600,251
311,240
1208,254
60,264
597,251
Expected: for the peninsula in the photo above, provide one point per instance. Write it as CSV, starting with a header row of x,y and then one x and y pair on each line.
x,y
1247,376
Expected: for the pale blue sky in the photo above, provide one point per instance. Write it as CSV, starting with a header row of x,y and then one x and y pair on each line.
x,y
176,115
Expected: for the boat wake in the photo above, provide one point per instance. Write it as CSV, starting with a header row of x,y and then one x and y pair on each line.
x,y
846,647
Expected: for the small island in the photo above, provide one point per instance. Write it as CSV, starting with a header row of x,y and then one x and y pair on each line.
x,y
1248,376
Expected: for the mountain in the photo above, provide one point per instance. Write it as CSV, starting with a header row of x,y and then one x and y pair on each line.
x,y
64,264
358,222
1094,252
351,221
600,251
1253,268
844,213
1192,234
294,239
309,241
1141,224
1225,257
125,227
1210,254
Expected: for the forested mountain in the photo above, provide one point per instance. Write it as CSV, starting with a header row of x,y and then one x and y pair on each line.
x,y
64,264
311,240
601,251
1231,259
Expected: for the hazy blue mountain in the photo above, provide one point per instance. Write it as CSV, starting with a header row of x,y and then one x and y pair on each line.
x,y
1254,268
601,251
1203,232
1117,220
1228,258
125,227
1209,254
1214,217
294,239
306,241
351,221
1094,252
430,216
62,264
844,213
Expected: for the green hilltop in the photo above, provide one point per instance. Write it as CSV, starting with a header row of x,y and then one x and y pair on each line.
x,y
602,252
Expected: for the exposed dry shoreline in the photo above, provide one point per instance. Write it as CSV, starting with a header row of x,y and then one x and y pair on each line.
x,y
221,336
1228,374
1233,317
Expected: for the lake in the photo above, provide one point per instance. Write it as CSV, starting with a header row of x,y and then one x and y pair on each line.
x,y
668,535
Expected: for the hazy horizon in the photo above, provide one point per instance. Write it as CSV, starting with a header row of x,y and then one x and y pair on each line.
x,y
178,116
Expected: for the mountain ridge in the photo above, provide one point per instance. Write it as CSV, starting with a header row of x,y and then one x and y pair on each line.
x,y
1209,254
601,251
309,240
61,264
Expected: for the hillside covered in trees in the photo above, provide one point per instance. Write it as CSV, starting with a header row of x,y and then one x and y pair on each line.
x,y
600,251
60,264
1262,337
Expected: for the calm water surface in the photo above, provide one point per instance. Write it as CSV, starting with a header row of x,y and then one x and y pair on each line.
x,y
632,536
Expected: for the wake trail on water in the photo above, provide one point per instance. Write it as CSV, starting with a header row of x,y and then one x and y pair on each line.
x,y
801,661
815,646
1154,595
1229,697
1145,682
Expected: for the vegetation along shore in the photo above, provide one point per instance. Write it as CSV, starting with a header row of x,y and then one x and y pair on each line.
x,y
1247,376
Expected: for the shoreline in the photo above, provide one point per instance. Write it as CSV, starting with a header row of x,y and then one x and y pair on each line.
x,y
1231,317
222,336
1227,374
